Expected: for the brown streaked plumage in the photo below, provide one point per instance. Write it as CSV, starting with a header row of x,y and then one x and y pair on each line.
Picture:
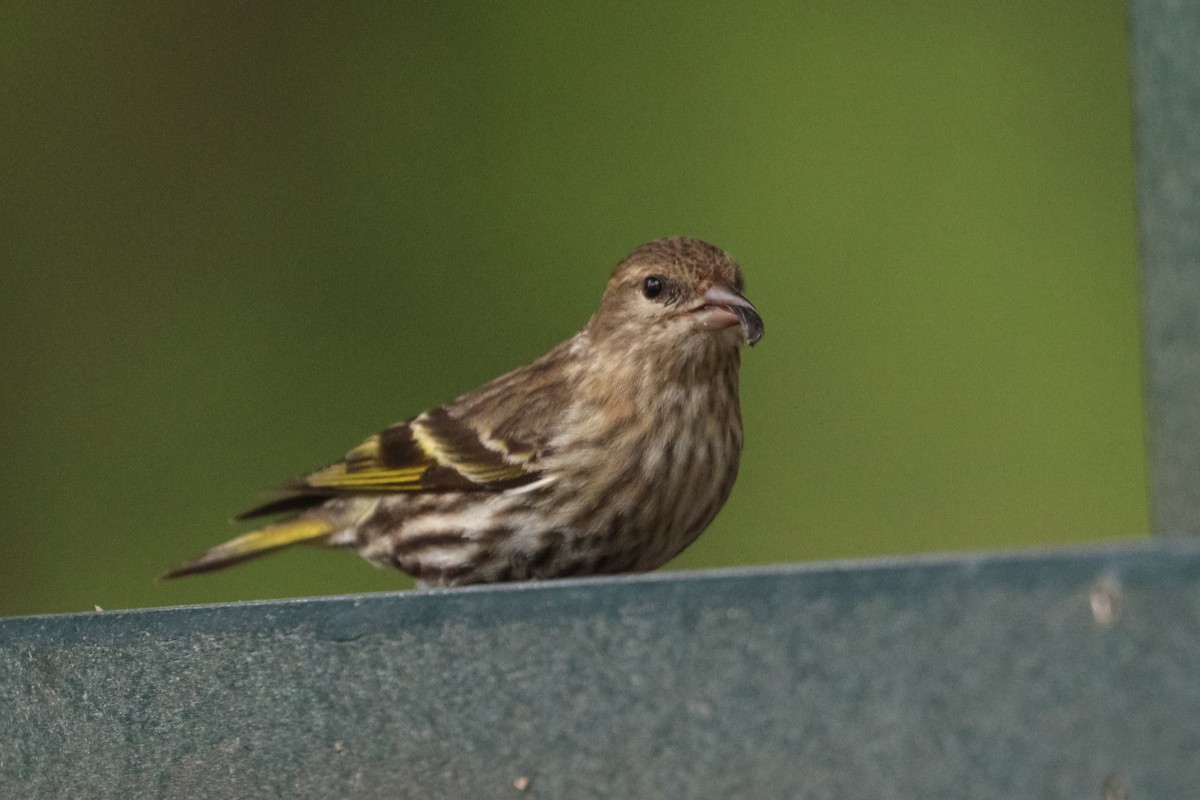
x,y
611,453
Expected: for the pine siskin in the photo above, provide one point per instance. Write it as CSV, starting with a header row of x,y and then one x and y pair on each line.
x,y
611,453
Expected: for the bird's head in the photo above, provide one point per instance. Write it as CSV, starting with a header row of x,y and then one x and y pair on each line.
x,y
677,290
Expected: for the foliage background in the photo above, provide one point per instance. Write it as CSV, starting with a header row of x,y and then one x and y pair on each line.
x,y
237,238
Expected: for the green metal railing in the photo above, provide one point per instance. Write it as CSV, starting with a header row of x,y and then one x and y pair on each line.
x,y
978,676
1166,93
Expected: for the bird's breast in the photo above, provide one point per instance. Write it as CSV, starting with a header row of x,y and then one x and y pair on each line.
x,y
647,482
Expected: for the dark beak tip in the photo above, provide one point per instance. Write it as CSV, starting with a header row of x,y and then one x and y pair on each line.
x,y
751,322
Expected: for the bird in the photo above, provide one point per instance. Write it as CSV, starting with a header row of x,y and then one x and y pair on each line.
x,y
609,454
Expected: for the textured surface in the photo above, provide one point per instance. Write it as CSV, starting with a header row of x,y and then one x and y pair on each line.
x,y
1166,72
1031,676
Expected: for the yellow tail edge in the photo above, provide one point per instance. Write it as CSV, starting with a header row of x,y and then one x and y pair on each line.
x,y
251,545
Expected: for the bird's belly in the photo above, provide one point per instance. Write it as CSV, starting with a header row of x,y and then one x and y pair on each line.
x,y
628,514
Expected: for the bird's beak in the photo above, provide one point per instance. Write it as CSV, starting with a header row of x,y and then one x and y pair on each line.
x,y
723,307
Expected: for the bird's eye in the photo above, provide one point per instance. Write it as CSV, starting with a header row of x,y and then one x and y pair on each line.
x,y
652,287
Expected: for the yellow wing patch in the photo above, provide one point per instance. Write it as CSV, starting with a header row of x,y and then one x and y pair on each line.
x,y
392,480
475,460
363,470
434,452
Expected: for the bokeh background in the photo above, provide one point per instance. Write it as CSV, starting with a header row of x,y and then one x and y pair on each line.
x,y
237,238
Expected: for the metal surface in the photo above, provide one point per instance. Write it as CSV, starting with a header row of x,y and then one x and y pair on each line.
x,y
1031,676
1166,90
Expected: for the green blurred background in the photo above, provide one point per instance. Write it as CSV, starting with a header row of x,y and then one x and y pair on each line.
x,y
237,238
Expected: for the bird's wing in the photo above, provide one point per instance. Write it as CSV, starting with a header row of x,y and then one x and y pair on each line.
x,y
433,452
488,440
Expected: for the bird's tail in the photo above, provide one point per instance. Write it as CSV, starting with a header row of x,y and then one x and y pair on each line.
x,y
254,544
